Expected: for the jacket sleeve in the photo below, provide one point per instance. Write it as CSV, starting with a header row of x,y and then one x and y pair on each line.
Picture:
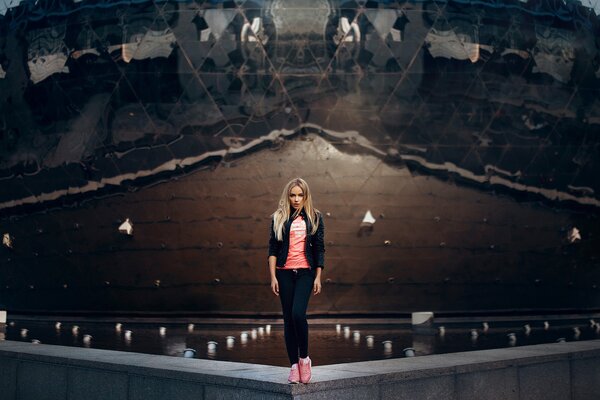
x,y
319,244
273,243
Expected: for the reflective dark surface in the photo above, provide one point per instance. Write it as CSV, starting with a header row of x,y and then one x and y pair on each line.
x,y
501,93
326,344
469,130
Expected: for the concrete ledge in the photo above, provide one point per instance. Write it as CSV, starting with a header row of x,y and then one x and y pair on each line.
x,y
550,371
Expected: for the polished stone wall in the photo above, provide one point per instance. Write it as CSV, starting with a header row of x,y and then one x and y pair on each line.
x,y
469,130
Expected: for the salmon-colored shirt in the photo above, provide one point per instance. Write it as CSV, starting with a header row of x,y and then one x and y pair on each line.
x,y
296,256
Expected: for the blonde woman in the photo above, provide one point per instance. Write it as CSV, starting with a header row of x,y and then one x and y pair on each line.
x,y
296,259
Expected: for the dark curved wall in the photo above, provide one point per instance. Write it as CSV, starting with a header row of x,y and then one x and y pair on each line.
x,y
469,130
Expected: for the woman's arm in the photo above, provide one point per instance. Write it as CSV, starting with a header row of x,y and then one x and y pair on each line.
x,y
272,259
274,282
317,281
274,246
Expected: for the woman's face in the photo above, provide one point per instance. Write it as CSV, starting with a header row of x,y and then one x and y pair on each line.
x,y
296,197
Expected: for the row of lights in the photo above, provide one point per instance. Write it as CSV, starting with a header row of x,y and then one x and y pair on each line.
x,y
230,340
387,344
87,339
162,331
126,228
573,235
512,338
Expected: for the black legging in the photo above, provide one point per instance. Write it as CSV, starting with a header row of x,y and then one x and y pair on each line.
x,y
294,291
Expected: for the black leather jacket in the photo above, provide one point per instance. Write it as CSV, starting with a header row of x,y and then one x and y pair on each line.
x,y
315,244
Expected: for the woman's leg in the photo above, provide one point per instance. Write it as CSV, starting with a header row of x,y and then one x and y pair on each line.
x,y
286,279
304,286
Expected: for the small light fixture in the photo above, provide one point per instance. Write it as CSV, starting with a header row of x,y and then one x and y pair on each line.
x,y
7,241
75,330
512,339
368,220
387,348
212,345
546,325
35,341
127,335
268,329
190,327
527,329
442,330
24,332
189,353
162,331
486,327
573,235
57,326
409,352
126,227
118,327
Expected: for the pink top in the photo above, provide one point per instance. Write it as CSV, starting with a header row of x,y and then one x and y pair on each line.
x,y
296,256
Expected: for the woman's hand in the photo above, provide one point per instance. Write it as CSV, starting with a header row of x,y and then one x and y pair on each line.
x,y
275,286
317,285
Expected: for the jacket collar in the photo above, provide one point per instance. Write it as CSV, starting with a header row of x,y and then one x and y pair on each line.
x,y
304,215
302,212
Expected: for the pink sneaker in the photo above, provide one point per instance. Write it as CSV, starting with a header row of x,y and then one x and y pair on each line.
x,y
294,374
305,369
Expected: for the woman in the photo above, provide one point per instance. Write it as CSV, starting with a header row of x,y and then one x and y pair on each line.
x,y
296,259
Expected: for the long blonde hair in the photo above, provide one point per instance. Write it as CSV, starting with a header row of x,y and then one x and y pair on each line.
x,y
281,216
